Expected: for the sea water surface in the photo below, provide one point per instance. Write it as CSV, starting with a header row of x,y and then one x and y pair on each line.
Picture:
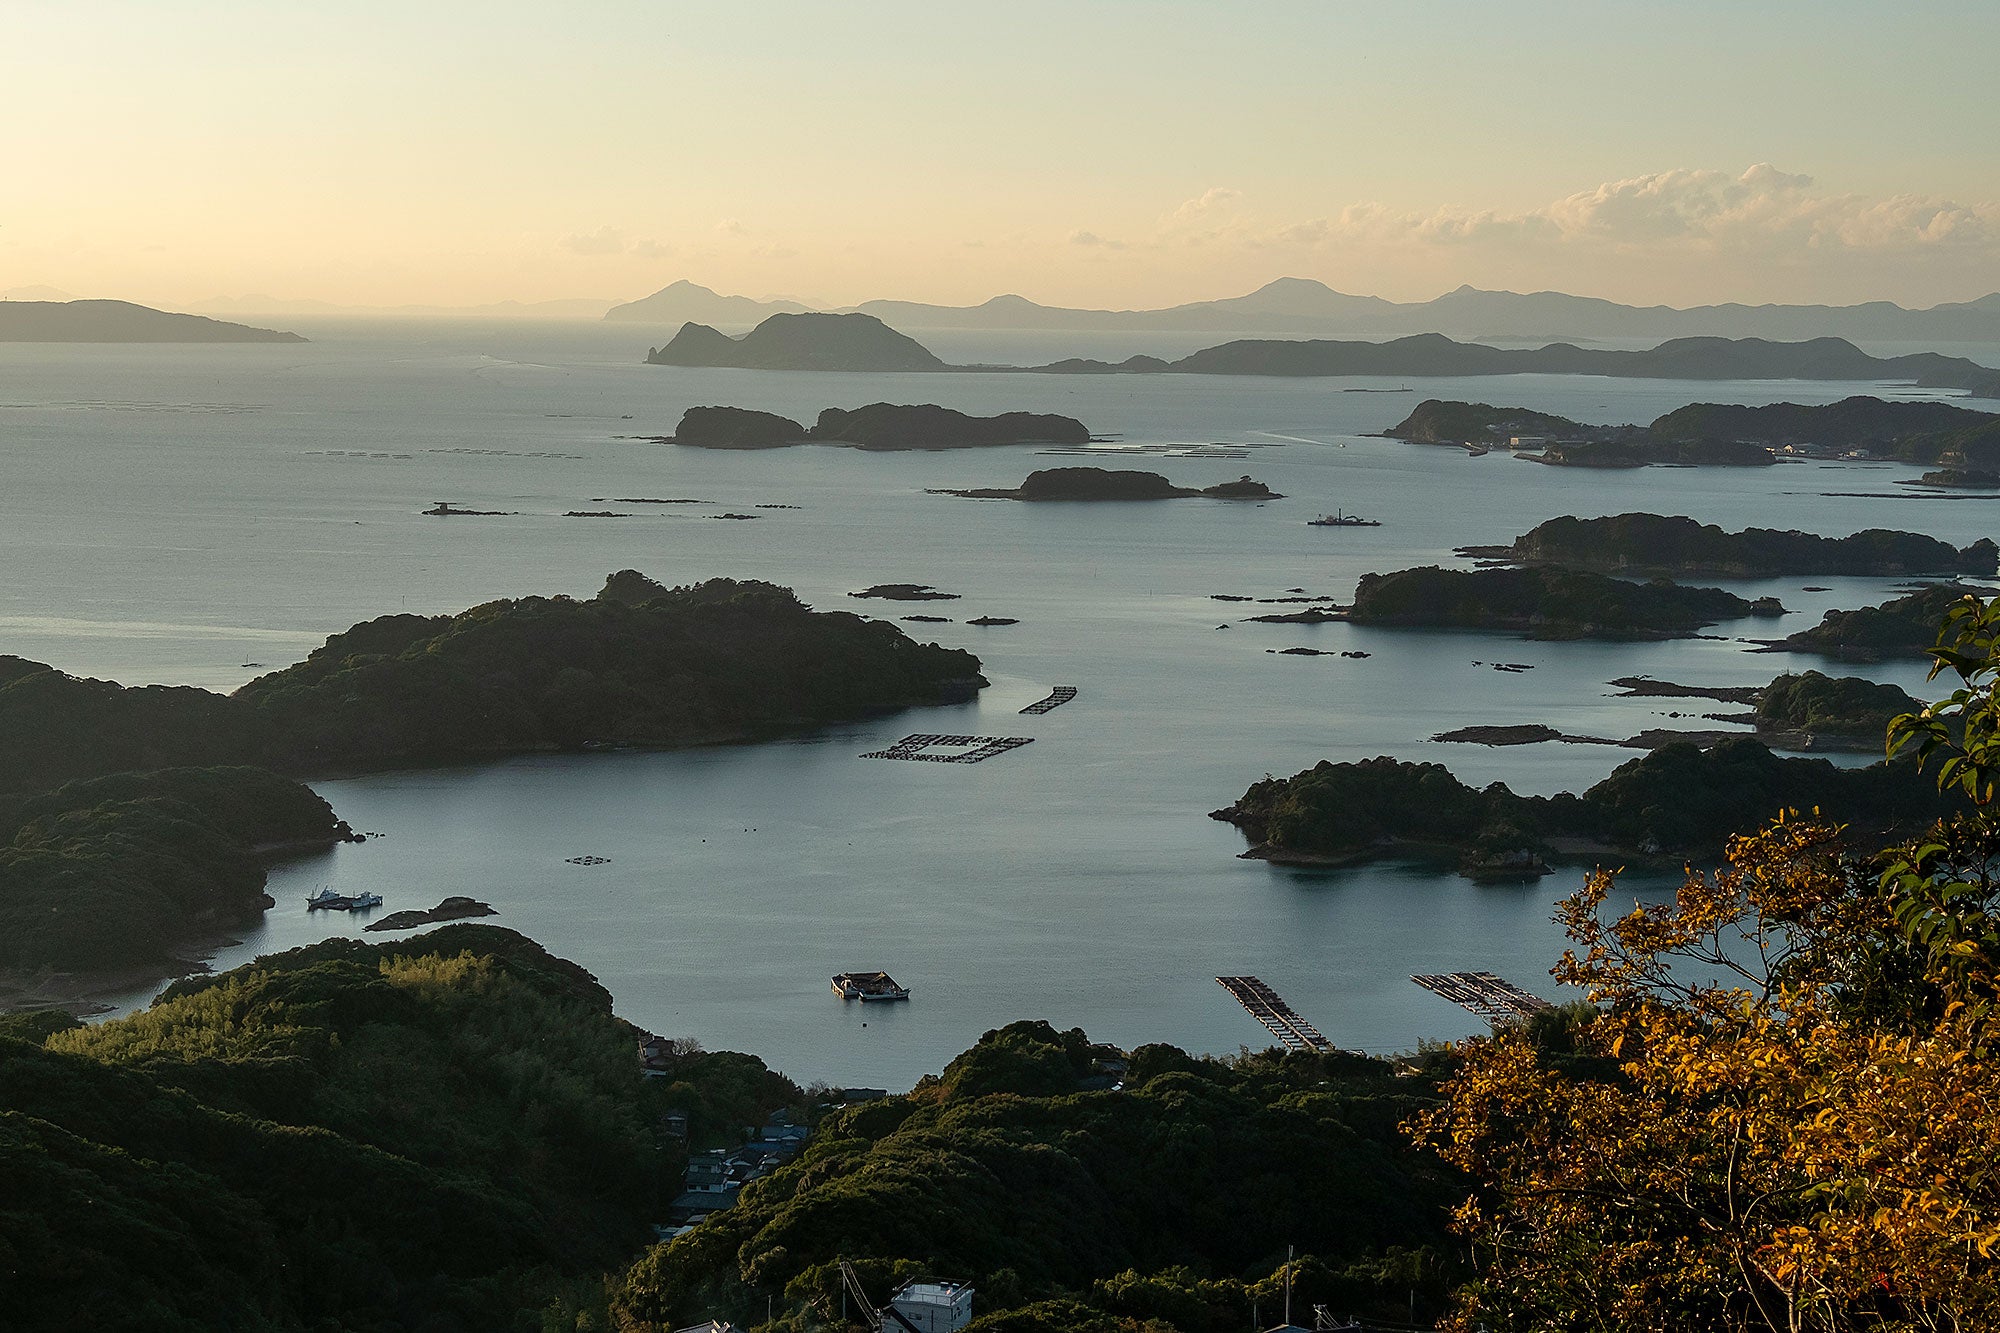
x,y
203,514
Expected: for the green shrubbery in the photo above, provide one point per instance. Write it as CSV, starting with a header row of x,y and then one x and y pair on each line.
x,y
433,1133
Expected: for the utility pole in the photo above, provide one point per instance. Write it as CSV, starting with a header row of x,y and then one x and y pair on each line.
x,y
1288,1286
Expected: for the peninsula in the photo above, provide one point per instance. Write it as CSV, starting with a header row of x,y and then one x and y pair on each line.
x,y
878,427
132,821
1720,433
1653,544
1096,483
1901,627
121,322
1679,799
639,664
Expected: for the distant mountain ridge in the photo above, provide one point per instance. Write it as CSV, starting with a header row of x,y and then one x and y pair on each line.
x,y
1305,305
859,342
121,322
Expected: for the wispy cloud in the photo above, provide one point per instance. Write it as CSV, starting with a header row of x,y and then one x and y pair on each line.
x,y
606,241
1091,240
1761,209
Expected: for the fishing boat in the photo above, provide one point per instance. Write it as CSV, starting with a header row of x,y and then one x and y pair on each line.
x,y
1338,519
325,898
867,986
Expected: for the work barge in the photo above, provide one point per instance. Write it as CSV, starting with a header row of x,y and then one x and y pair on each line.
x,y
866,986
1269,1008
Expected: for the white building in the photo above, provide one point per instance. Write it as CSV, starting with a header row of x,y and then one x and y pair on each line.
x,y
934,1307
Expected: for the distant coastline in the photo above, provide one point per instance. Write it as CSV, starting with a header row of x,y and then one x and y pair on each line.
x,y
861,342
121,322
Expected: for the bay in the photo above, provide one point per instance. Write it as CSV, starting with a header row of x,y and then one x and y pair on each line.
x,y
202,514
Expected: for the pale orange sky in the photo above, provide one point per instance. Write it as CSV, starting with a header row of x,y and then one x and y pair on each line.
x,y
1123,152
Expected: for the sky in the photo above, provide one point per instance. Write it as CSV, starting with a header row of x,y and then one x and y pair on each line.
x,y
1113,153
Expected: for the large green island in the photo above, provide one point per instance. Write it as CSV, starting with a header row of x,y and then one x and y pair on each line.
x,y
1541,603
1720,434
1654,544
878,427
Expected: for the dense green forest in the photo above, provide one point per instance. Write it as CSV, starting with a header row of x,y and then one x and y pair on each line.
x,y
446,1133
110,871
1170,1199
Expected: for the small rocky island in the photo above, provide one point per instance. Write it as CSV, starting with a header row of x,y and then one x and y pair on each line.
x,y
1542,603
1679,800
1653,544
878,427
451,909
1808,711
1096,483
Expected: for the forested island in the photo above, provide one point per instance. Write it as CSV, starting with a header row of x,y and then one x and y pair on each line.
x,y
1905,626
1719,434
1544,603
861,342
132,820
1654,544
878,426
462,1114
1678,799
1096,483
121,322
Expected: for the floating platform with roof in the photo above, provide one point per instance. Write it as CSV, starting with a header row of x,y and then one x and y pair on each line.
x,y
1492,998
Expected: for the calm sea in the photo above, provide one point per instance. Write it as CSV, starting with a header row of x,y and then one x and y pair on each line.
x,y
203,514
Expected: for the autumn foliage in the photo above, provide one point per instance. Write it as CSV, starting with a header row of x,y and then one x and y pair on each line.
x,y
1782,1111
